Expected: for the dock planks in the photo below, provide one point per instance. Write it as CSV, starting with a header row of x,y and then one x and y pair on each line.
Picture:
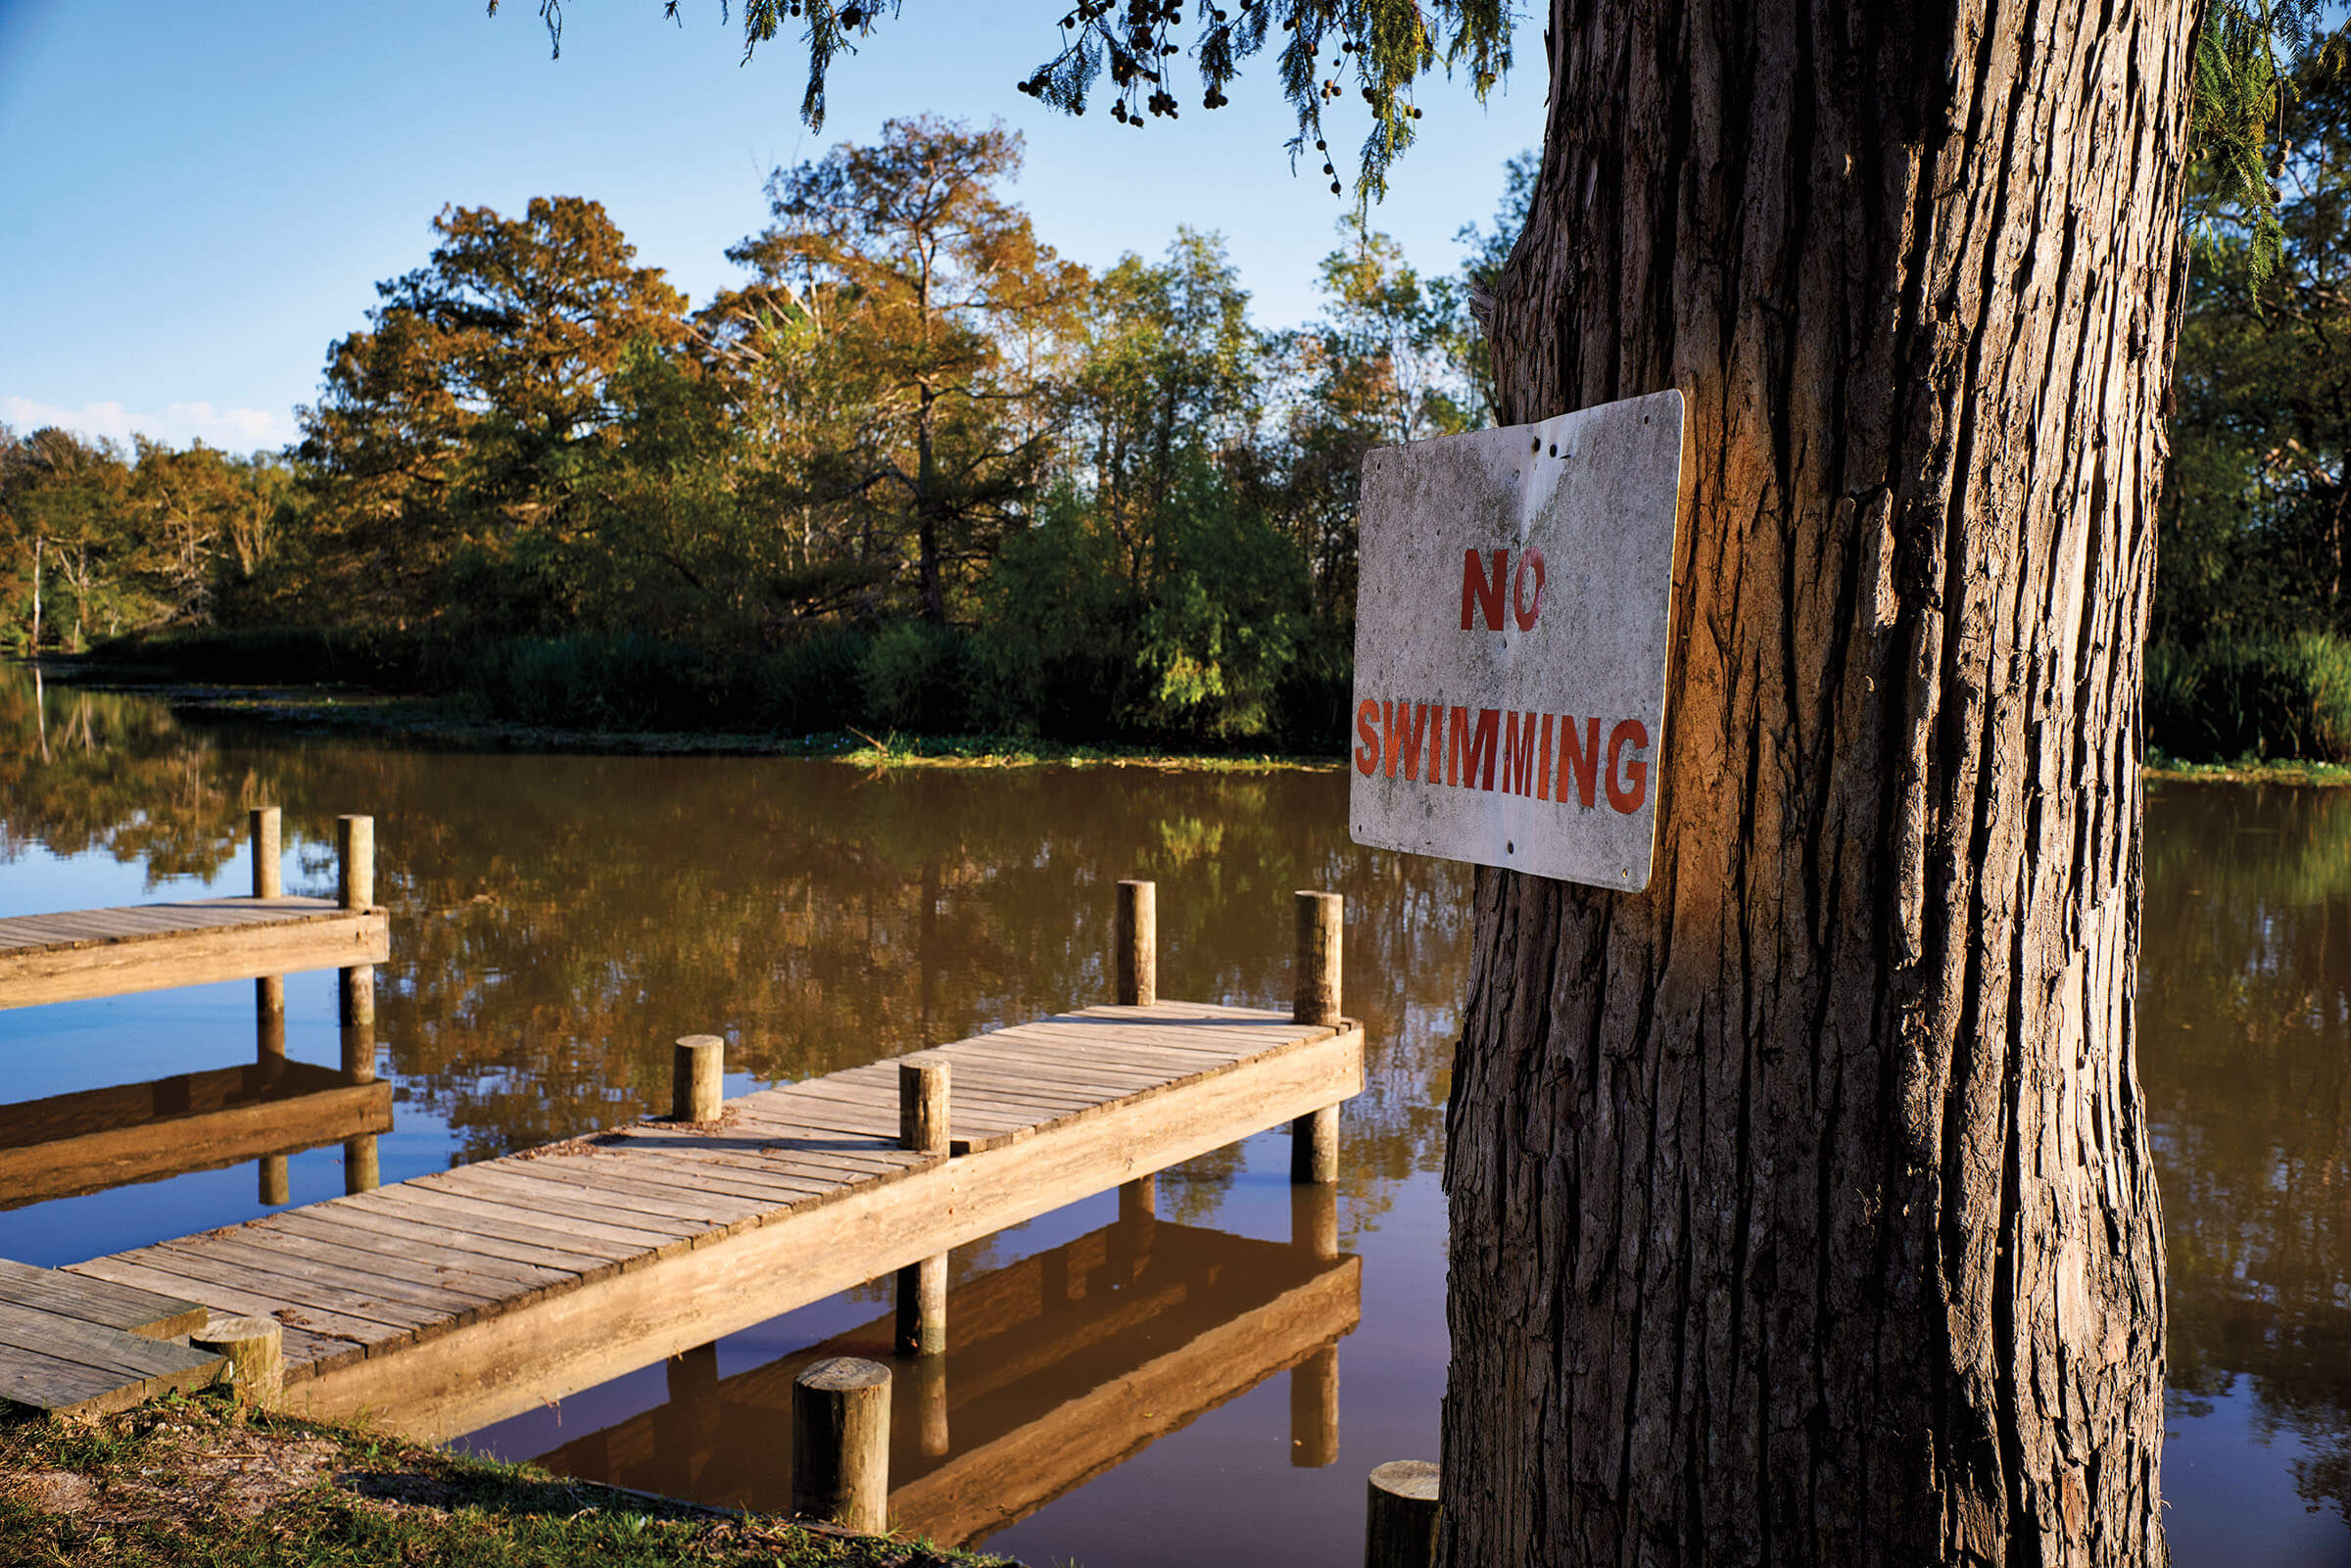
x,y
85,1347
146,947
447,1302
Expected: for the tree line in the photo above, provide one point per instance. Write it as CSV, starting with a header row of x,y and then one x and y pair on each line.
x,y
914,470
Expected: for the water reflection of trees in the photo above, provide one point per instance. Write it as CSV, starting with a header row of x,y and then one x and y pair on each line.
x,y
2246,988
558,920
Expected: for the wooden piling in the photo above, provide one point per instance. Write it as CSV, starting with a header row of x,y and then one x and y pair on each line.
x,y
1136,944
257,1357
268,990
1314,1220
363,1170
697,1078
1314,1410
930,1404
1399,1520
922,1295
922,1105
1138,1199
268,867
355,843
840,1443
276,1183
359,1052
923,1307
1314,1136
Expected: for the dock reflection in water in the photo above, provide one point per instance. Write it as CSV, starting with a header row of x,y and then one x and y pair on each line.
x,y
1059,1367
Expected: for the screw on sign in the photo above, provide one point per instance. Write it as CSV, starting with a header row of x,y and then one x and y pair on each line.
x,y
1515,724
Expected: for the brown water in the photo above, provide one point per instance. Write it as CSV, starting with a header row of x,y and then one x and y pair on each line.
x,y
1210,1386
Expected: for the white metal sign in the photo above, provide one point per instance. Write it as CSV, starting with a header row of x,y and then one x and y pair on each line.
x,y
1510,642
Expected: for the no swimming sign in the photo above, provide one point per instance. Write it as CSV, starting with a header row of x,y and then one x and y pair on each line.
x,y
1511,640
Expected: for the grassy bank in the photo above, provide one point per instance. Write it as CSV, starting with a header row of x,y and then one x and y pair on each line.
x,y
193,1481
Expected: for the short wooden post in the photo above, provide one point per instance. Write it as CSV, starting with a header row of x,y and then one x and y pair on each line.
x,y
354,842
922,1105
276,1183
362,1169
840,1443
923,1126
1136,955
1400,1522
1314,1136
257,1357
1314,1410
697,1078
1314,1220
268,854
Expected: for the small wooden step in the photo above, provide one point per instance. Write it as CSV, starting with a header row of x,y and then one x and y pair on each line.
x,y
85,1347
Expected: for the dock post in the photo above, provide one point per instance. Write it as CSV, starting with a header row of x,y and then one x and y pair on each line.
x,y
257,1357
268,869
1137,959
1138,1199
1314,1136
930,1397
361,1170
840,1443
697,1078
1314,1410
922,1326
268,990
355,841
1400,1521
1314,1220
276,1183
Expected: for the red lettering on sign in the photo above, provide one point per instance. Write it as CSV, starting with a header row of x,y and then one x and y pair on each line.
x,y
1627,798
1524,609
1580,760
1470,752
1366,754
1518,753
1543,763
1404,724
1484,595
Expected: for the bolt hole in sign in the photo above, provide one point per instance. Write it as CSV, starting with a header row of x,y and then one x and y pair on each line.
x,y
1510,642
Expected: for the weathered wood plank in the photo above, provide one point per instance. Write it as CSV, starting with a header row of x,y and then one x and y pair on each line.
x,y
502,1213
104,1349
317,1339
552,1197
444,1253
394,1228
98,1300
153,949
292,1284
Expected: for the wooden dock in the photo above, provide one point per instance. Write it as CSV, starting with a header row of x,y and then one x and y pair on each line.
x,y
76,1344
1062,1366
442,1305
83,1347
146,947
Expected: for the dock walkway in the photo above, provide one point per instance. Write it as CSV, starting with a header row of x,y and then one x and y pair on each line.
x,y
445,1303
85,1347
146,947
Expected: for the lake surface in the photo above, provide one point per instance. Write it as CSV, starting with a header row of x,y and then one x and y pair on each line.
x,y
558,920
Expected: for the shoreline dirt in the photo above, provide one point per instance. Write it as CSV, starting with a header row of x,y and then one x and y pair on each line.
x,y
195,1479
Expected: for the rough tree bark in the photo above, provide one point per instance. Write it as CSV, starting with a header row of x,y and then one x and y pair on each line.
x,y
1802,1204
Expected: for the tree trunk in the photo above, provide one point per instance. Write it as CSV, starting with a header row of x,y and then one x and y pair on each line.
x,y
1802,1204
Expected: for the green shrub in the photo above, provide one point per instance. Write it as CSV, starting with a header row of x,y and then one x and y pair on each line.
x,y
2273,697
916,676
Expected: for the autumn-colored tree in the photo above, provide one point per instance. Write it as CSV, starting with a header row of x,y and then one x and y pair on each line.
x,y
928,302
454,426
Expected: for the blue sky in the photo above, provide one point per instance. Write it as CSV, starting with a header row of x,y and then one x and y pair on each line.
x,y
198,199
